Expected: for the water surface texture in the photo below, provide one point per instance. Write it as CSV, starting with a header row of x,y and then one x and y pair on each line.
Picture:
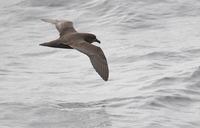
x,y
153,51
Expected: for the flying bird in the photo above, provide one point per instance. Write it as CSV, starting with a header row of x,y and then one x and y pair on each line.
x,y
71,39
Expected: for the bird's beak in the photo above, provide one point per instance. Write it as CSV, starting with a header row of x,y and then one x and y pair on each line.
x,y
98,41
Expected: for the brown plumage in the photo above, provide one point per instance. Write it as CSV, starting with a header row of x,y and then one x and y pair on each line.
x,y
71,39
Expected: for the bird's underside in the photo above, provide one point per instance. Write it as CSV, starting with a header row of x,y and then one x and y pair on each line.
x,y
71,39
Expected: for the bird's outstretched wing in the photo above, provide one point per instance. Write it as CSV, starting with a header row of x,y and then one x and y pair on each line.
x,y
96,56
61,25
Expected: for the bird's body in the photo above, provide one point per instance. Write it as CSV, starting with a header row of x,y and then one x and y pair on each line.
x,y
71,39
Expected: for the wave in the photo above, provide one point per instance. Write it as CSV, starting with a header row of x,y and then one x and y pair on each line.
x,y
48,3
196,74
175,102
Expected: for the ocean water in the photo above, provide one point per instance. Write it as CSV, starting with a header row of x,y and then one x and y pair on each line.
x,y
153,52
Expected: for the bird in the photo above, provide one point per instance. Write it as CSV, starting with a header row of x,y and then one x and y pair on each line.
x,y
71,39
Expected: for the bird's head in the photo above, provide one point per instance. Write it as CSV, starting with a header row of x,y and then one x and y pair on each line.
x,y
91,38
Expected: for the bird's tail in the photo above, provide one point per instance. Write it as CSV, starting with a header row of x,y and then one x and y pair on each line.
x,y
50,21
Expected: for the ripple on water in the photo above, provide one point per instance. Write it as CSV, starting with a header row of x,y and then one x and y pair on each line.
x,y
38,54
46,116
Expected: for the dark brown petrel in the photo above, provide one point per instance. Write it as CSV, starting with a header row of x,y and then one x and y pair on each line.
x,y
71,39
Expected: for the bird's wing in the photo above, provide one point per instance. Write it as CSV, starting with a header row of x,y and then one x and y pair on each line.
x,y
61,25
96,56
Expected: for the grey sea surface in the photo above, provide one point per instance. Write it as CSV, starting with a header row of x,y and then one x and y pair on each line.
x,y
153,51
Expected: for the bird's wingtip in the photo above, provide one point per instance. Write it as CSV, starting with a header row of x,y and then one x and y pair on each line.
x,y
105,78
45,20
49,21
